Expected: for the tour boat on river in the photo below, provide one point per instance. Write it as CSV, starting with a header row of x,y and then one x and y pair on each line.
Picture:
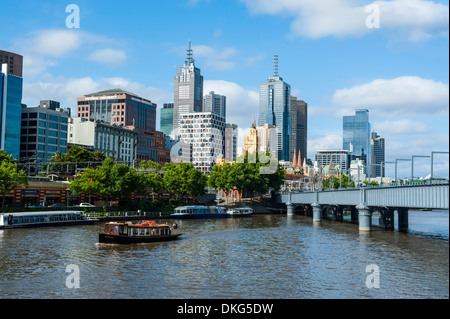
x,y
240,212
142,232
38,219
199,212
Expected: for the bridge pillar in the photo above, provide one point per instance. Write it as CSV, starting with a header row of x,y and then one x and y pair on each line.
x,y
290,209
354,215
386,219
317,212
340,213
364,217
403,219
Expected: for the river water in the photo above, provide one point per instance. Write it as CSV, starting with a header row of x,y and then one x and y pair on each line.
x,y
263,257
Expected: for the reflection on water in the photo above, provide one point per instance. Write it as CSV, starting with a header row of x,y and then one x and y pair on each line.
x,y
266,256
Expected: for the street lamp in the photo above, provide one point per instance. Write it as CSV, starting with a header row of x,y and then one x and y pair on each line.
x,y
396,160
432,156
412,164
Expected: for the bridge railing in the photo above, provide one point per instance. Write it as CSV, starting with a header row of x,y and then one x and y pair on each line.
x,y
301,186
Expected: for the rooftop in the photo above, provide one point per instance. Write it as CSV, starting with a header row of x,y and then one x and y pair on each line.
x,y
112,92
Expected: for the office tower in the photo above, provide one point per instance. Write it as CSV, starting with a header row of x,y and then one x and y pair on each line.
x,y
336,157
202,139
299,128
44,131
231,140
215,103
127,109
10,110
114,141
14,61
356,135
274,109
377,153
166,119
188,89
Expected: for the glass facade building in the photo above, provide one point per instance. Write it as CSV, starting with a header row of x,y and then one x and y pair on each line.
x,y
274,109
43,132
166,119
10,111
356,135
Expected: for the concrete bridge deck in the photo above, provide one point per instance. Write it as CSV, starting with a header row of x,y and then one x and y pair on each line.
x,y
363,201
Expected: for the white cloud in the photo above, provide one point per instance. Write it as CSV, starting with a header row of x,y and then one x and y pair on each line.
x,y
242,104
414,19
409,95
66,90
218,60
108,56
45,48
404,126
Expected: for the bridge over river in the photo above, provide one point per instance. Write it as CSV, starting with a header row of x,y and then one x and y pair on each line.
x,y
362,202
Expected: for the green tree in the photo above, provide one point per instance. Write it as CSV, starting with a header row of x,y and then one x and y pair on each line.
x,y
184,178
11,176
88,183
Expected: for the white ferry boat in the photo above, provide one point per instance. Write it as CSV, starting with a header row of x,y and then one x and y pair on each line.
x,y
240,212
199,212
38,219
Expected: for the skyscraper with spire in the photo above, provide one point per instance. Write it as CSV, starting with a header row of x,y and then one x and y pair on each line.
x,y
274,109
188,89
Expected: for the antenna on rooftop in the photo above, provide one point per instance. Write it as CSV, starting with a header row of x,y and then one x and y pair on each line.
x,y
189,54
275,64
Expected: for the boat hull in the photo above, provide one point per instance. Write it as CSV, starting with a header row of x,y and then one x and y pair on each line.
x,y
51,224
121,239
198,216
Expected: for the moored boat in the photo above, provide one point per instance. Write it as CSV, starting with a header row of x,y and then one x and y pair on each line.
x,y
199,212
142,232
240,212
39,219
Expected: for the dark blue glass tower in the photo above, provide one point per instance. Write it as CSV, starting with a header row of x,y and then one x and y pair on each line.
x,y
356,135
10,112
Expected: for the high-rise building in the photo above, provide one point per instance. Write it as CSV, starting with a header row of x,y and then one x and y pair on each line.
x,y
14,61
188,89
299,128
127,109
356,136
231,140
202,139
43,132
166,119
377,153
215,103
274,109
10,109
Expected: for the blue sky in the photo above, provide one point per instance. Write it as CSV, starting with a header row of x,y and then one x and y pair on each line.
x,y
328,55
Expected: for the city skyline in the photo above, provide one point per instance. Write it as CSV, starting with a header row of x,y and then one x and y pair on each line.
x,y
399,71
